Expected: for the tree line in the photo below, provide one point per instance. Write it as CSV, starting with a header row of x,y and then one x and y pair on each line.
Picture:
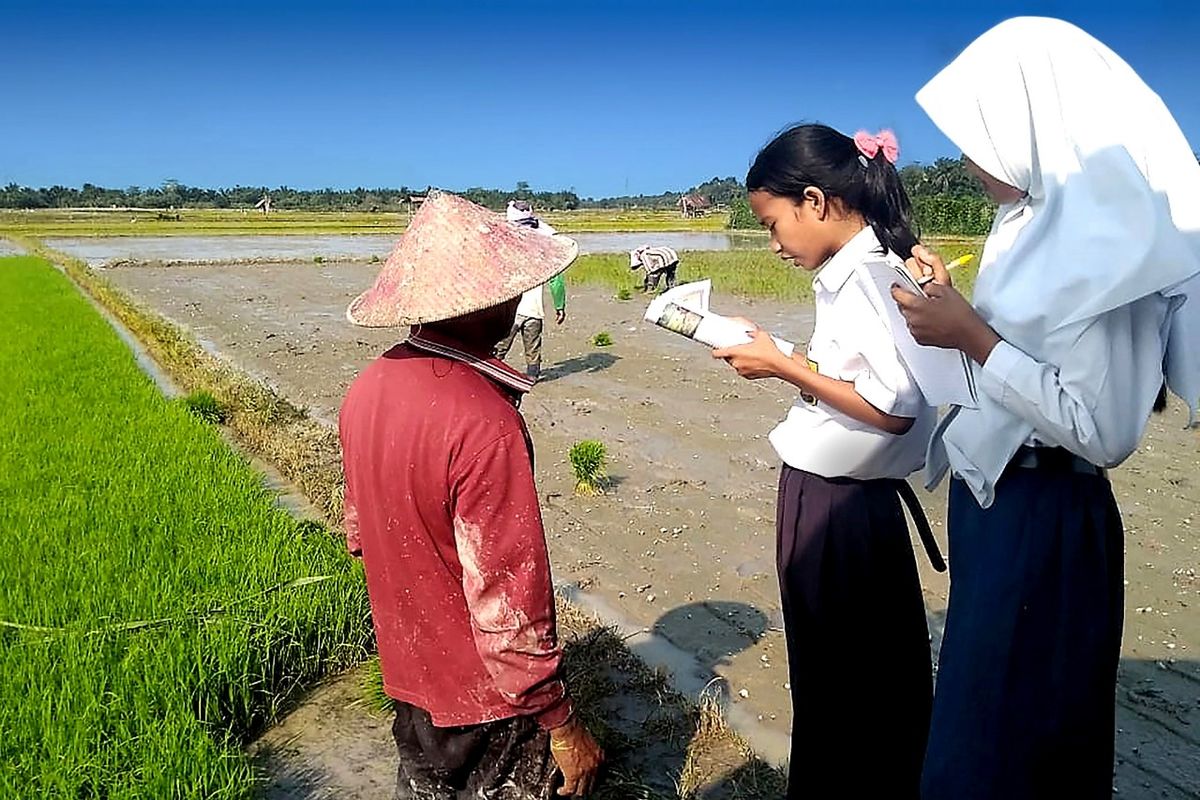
x,y
173,194
945,198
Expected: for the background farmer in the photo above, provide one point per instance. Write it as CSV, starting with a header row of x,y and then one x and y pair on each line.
x,y
442,507
659,263
531,312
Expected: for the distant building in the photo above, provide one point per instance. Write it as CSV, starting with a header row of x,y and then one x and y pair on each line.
x,y
693,205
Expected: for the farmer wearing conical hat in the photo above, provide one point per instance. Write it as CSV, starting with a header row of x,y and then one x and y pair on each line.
x,y
441,505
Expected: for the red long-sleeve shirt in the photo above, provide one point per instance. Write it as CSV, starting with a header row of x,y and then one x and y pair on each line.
x,y
441,504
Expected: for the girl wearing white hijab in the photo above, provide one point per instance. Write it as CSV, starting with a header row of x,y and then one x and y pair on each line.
x,y
1088,297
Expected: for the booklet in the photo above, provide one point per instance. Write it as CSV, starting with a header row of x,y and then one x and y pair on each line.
x,y
945,375
684,310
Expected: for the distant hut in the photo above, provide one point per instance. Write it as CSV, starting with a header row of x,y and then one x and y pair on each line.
x,y
264,204
693,205
414,202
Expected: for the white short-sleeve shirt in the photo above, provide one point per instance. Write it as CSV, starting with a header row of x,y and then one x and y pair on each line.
x,y
851,342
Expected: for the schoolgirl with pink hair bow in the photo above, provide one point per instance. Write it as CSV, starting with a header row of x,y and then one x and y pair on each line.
x,y
834,205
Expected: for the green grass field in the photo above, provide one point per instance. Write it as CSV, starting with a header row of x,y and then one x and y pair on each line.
x,y
156,608
220,222
754,274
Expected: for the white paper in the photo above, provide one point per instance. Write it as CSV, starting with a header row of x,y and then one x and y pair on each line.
x,y
684,310
944,375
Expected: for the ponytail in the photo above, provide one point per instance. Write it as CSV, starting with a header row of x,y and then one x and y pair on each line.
x,y
817,155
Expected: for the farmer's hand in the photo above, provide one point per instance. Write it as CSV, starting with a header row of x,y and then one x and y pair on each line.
x,y
578,758
759,359
945,319
927,264
560,316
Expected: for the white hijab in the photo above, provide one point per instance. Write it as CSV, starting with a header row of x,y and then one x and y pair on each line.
x,y
1112,212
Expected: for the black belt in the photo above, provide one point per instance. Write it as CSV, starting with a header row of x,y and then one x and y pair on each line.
x,y
1055,459
923,530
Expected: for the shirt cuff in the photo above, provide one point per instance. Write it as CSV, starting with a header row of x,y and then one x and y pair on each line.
x,y
997,371
883,398
557,714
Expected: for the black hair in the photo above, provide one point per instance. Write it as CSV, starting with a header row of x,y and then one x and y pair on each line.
x,y
817,155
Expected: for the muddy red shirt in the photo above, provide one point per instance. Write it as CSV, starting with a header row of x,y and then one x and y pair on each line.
x,y
441,504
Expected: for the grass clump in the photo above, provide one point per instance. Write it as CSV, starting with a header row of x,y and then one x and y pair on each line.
x,y
156,609
624,293
602,339
204,407
588,460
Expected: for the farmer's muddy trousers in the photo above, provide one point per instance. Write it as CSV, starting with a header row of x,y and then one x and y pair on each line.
x,y
504,760
531,337
650,284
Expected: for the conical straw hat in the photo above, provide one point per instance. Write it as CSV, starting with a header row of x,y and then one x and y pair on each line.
x,y
455,258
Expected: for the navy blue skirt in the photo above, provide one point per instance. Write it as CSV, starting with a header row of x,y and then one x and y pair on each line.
x,y
857,639
1024,706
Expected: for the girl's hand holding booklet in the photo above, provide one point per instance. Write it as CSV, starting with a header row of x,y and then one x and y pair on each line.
x,y
945,376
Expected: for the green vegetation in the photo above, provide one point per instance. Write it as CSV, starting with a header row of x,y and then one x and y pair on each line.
x,y
624,293
752,274
219,222
740,215
156,608
205,407
602,339
746,273
588,459
173,195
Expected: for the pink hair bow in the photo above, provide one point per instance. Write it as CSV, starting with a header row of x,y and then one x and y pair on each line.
x,y
885,140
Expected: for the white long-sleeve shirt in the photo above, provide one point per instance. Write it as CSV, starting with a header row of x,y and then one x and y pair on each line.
x,y
1096,403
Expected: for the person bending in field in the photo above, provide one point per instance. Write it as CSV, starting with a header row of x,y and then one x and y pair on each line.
x,y
659,262
442,508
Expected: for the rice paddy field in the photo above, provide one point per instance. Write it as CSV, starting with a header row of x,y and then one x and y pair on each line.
x,y
157,609
161,621
751,274
115,222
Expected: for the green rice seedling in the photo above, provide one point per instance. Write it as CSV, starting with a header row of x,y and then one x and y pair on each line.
x,y
624,293
371,683
157,610
588,460
602,339
205,407
318,259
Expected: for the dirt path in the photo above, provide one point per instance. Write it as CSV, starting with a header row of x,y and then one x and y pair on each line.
x,y
684,545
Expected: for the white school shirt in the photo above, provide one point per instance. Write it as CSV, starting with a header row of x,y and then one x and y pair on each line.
x,y
531,304
851,342
1095,403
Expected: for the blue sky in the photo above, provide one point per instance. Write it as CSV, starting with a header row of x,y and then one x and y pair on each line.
x,y
602,97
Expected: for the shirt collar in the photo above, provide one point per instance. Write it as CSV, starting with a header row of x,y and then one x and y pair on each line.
x,y
840,266
491,368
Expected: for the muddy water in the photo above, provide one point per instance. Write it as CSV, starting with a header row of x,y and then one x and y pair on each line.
x,y
683,544
7,248
100,250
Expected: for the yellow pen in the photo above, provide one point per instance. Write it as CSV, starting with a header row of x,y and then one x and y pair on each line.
x,y
961,261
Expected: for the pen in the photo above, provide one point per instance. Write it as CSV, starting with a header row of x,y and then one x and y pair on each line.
x,y
961,261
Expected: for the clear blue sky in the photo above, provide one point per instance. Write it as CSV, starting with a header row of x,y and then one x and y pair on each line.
x,y
603,97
